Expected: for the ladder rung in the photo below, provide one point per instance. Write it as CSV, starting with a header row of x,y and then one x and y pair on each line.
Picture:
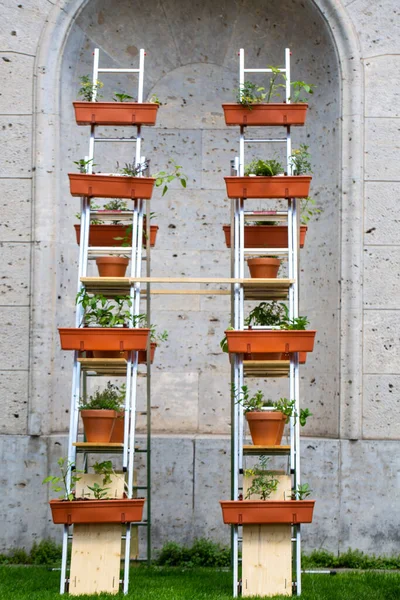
x,y
265,250
256,141
133,139
262,70
103,70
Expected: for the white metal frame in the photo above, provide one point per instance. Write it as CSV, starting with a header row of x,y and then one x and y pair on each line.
x,y
132,362
238,217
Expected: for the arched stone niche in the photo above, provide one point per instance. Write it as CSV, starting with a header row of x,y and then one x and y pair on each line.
x,y
192,65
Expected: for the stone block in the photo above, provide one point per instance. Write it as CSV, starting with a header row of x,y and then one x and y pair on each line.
x,y
14,337
219,148
16,144
22,24
24,507
214,401
382,80
381,407
15,205
16,97
212,484
15,277
381,225
376,25
14,391
382,147
381,341
369,489
381,277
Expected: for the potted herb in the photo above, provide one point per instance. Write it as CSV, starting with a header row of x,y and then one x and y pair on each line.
x,y
99,507
266,426
125,184
262,510
120,112
258,105
102,415
265,179
107,324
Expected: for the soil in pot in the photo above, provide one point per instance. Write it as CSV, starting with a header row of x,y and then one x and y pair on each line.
x,y
264,267
112,266
266,427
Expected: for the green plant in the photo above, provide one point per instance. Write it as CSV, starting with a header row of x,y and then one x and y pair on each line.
x,y
266,168
104,312
203,553
105,468
308,209
256,403
299,323
302,492
116,204
65,482
83,164
88,89
121,97
300,160
268,314
264,482
110,398
155,100
249,93
163,178
98,491
298,88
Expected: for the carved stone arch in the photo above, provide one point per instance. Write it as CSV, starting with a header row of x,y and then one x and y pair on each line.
x,y
44,337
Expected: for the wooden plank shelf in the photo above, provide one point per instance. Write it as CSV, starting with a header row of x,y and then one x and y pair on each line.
x,y
103,366
254,289
101,448
252,450
266,368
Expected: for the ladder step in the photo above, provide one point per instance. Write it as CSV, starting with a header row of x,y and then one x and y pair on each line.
x,y
101,139
266,250
266,141
251,450
103,70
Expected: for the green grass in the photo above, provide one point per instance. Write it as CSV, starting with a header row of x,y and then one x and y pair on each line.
x,y
168,583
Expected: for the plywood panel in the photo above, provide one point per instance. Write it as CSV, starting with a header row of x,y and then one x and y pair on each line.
x,y
267,550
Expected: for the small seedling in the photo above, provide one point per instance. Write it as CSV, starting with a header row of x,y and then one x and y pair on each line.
x,y
98,492
302,492
264,482
121,97
65,482
83,164
88,89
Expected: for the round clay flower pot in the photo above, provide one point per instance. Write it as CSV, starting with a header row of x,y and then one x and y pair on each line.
x,y
99,425
266,268
112,266
266,427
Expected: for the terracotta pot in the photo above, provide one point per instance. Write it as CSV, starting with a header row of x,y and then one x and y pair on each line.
x,y
296,186
99,425
265,236
253,341
103,338
115,113
124,510
265,114
258,512
142,359
105,235
263,356
112,266
110,186
117,434
266,427
264,267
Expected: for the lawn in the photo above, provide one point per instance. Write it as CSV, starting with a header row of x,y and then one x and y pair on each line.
x,y
172,583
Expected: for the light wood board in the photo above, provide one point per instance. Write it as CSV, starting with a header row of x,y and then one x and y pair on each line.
x,y
96,548
267,551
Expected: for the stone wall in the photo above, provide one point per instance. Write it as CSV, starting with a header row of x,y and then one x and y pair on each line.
x,y
349,445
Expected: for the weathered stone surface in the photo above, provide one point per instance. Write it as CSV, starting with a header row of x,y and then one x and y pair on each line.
x,y
381,341
14,337
14,392
376,25
367,469
382,147
21,25
382,277
15,277
382,222
214,401
382,81
24,507
381,407
16,142
17,70
15,203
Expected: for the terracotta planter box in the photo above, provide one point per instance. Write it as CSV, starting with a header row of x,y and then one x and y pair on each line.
x,y
275,340
103,338
265,114
104,235
266,427
142,360
296,186
265,236
115,113
274,356
124,510
110,186
259,512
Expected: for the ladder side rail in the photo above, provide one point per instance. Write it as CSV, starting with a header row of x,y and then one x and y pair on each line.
x,y
241,423
64,560
148,386
128,537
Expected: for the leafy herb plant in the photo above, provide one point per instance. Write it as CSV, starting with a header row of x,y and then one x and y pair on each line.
x,y
110,398
88,89
264,482
121,97
65,481
300,160
266,168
